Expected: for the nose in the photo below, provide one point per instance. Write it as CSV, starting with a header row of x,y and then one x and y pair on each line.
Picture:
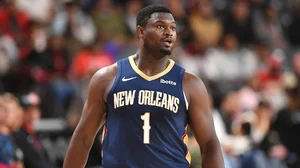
x,y
168,32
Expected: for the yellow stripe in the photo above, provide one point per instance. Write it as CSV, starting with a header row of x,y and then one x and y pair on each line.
x,y
102,137
186,140
150,78
103,133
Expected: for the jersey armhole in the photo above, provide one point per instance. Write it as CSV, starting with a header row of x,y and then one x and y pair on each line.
x,y
117,79
185,100
181,90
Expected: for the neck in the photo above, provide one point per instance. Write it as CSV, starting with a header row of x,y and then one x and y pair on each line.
x,y
151,63
4,130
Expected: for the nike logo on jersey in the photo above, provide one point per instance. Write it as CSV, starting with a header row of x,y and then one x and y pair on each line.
x,y
127,79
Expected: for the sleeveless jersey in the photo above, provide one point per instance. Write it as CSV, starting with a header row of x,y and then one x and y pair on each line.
x,y
146,119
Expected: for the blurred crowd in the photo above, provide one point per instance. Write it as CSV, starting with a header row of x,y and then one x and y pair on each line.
x,y
247,52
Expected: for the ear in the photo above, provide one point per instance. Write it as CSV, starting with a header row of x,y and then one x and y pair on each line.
x,y
140,31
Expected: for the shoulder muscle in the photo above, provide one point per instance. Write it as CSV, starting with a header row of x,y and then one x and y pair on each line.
x,y
192,86
103,79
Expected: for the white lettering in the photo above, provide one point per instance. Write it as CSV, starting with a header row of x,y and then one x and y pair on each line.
x,y
129,99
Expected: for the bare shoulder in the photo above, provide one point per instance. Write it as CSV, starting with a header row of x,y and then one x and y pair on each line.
x,y
102,80
192,85
190,79
105,73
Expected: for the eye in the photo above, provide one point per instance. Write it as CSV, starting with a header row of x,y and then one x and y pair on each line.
x,y
173,28
160,26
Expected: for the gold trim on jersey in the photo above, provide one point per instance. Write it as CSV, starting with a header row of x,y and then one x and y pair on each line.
x,y
186,140
150,78
104,132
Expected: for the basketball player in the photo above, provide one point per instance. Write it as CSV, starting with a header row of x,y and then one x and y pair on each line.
x,y
146,102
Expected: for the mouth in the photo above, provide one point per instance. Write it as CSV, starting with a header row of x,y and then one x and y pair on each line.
x,y
168,42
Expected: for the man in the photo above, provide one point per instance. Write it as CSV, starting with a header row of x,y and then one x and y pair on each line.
x,y
26,138
147,101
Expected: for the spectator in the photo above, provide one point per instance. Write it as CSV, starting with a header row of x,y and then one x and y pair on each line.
x,y
262,53
85,64
14,22
9,52
74,25
287,124
269,30
58,69
205,27
240,23
272,83
192,62
228,63
13,107
250,95
233,145
88,61
131,11
259,121
108,18
256,124
38,36
182,22
26,138
37,10
7,150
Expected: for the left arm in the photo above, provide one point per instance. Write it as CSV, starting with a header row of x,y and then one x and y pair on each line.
x,y
201,122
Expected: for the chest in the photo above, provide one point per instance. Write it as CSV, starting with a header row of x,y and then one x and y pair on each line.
x,y
153,100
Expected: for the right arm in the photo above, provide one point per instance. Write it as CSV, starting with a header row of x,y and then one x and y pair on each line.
x,y
93,117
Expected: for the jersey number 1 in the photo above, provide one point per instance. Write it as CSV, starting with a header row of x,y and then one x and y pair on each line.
x,y
146,127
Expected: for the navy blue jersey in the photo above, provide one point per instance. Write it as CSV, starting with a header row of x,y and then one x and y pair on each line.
x,y
146,120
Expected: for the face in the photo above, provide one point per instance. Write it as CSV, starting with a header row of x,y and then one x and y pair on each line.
x,y
32,115
254,83
240,10
271,14
160,33
12,109
133,7
230,104
57,43
230,42
206,9
12,6
177,8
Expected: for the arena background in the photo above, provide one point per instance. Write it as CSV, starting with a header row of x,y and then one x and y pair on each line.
x,y
246,52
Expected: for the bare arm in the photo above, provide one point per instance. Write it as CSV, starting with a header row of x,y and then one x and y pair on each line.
x,y
92,118
201,122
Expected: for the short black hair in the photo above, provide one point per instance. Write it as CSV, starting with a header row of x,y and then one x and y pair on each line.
x,y
145,13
